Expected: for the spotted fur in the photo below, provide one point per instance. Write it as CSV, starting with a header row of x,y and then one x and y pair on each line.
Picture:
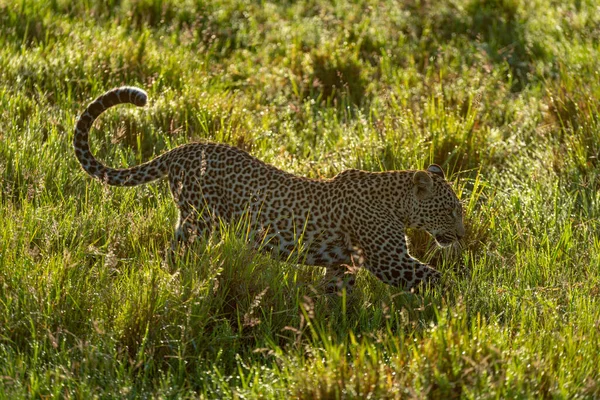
x,y
356,218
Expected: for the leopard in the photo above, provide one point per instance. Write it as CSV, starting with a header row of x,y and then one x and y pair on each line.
x,y
355,219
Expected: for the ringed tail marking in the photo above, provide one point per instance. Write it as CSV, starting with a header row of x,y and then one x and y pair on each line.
x,y
133,176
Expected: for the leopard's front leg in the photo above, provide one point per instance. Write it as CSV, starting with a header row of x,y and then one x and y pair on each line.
x,y
405,273
388,259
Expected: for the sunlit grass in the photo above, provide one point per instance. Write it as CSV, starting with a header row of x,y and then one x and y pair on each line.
x,y
502,94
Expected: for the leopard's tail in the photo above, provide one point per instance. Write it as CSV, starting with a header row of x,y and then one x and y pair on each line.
x,y
133,176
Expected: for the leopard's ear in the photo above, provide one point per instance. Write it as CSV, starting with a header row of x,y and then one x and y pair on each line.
x,y
436,169
423,184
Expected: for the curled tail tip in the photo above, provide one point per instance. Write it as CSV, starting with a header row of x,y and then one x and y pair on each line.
x,y
129,94
138,96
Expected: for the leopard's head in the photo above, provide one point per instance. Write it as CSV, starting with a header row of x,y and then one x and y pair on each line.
x,y
437,209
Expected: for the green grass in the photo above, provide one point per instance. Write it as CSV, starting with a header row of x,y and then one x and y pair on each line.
x,y
504,94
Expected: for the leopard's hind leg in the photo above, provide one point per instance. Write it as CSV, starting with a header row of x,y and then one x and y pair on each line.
x,y
194,216
191,225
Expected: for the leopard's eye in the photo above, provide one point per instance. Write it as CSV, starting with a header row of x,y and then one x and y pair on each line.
x,y
450,214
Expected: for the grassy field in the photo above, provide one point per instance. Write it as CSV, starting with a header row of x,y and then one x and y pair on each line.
x,y
504,94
